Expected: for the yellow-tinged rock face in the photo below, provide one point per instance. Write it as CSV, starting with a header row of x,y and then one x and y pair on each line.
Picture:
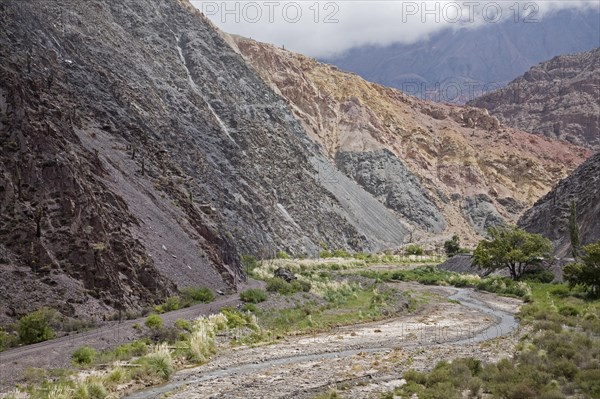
x,y
462,155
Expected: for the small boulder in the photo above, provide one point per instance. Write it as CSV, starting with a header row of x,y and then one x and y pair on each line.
x,y
285,274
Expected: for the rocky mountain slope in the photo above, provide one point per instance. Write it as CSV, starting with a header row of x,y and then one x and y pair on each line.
x,y
490,57
559,98
445,169
140,155
550,215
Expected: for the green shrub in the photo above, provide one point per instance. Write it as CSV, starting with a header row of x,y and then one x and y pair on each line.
x,y
165,334
414,249
523,390
234,318
564,368
162,365
116,376
237,319
253,295
553,394
202,295
416,376
568,311
172,303
301,286
561,291
547,325
127,351
84,355
540,276
589,382
183,324
6,340
96,390
35,327
474,385
249,307
277,284
362,256
325,254
340,253
591,324
154,322
81,392
282,255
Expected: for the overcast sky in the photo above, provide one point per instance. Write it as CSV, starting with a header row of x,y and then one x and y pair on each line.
x,y
326,28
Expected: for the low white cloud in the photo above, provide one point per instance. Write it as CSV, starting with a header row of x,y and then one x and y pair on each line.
x,y
325,28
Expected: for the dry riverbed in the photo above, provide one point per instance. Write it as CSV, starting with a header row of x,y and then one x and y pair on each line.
x,y
360,361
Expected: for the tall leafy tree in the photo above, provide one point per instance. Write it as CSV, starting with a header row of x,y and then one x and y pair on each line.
x,y
452,246
574,230
511,248
587,272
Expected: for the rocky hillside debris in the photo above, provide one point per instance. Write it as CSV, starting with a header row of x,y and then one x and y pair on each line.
x,y
285,274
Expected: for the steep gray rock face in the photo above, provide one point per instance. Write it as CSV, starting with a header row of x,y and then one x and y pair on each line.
x,y
140,154
462,263
481,213
559,98
550,215
382,174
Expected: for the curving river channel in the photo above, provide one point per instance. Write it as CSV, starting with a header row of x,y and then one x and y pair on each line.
x,y
495,322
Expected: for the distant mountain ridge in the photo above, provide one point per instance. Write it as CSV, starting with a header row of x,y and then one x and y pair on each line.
x,y
559,98
474,60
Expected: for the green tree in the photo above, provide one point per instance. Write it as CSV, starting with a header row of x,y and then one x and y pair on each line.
x,y
574,230
512,248
452,246
587,272
35,327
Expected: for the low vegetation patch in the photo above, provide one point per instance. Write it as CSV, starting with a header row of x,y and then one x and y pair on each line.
x,y
560,358
36,326
253,295
154,322
189,296
279,285
138,361
84,356
431,275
